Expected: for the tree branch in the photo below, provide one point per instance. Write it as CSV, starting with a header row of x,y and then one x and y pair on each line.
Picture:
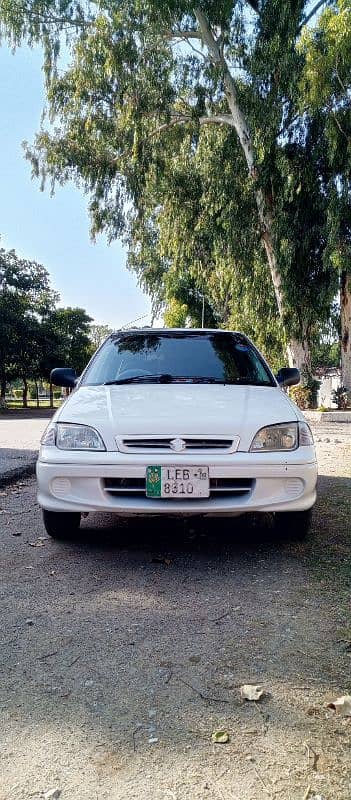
x,y
254,5
219,119
183,119
175,40
50,19
312,13
334,117
238,117
338,76
183,35
208,37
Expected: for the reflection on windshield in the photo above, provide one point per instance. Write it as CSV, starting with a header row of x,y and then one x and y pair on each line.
x,y
219,357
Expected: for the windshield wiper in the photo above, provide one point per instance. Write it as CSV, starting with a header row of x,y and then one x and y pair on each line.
x,y
166,377
162,377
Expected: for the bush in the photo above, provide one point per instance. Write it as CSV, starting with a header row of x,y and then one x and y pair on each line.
x,y
302,396
340,397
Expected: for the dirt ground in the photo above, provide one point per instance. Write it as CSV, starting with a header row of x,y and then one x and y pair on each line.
x,y
124,650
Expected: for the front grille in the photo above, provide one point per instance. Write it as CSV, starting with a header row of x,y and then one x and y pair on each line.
x,y
236,487
178,445
124,486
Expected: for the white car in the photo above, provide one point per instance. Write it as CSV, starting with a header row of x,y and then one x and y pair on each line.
x,y
177,421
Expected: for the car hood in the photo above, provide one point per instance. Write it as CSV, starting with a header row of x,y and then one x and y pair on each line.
x,y
177,410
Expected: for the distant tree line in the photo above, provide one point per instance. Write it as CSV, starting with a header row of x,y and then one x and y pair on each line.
x,y
36,334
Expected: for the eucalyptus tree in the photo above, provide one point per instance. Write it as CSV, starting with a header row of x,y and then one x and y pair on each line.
x,y
198,230
141,75
196,245
326,87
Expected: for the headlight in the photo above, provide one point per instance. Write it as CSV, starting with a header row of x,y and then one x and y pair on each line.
x,y
78,437
276,437
287,436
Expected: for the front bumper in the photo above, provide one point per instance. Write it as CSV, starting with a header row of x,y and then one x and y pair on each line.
x,y
279,482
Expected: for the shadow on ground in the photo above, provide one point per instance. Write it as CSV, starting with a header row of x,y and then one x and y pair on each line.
x,y
126,647
24,413
223,535
16,464
175,535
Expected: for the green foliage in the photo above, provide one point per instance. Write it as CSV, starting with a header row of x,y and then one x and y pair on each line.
x,y
177,314
326,85
133,119
66,340
325,353
340,397
302,396
306,396
326,48
25,296
98,334
202,243
35,336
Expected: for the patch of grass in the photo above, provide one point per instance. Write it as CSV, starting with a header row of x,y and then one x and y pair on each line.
x,y
18,405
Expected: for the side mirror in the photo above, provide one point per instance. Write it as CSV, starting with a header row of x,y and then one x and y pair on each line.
x,y
63,376
288,376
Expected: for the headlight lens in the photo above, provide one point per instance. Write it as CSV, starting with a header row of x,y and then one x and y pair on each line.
x,y
276,437
78,437
288,436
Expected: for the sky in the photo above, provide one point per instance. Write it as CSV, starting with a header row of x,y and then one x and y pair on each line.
x,y
55,230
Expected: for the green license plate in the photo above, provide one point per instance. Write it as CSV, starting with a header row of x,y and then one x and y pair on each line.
x,y
153,481
177,482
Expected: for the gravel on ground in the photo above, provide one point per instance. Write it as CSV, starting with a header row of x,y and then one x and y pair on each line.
x,y
124,650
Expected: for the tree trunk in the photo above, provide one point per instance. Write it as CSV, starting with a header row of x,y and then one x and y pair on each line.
x,y
345,313
51,393
299,355
37,393
3,384
297,351
25,393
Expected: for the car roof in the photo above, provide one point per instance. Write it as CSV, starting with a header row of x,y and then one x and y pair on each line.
x,y
175,330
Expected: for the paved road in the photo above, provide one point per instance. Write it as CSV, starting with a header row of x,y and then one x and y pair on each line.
x,y
124,650
19,441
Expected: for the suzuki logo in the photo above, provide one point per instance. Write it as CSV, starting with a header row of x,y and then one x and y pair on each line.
x,y
178,445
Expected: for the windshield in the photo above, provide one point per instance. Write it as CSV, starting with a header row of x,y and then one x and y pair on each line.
x,y
166,357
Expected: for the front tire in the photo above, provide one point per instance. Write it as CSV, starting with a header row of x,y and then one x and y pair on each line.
x,y
293,524
61,524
